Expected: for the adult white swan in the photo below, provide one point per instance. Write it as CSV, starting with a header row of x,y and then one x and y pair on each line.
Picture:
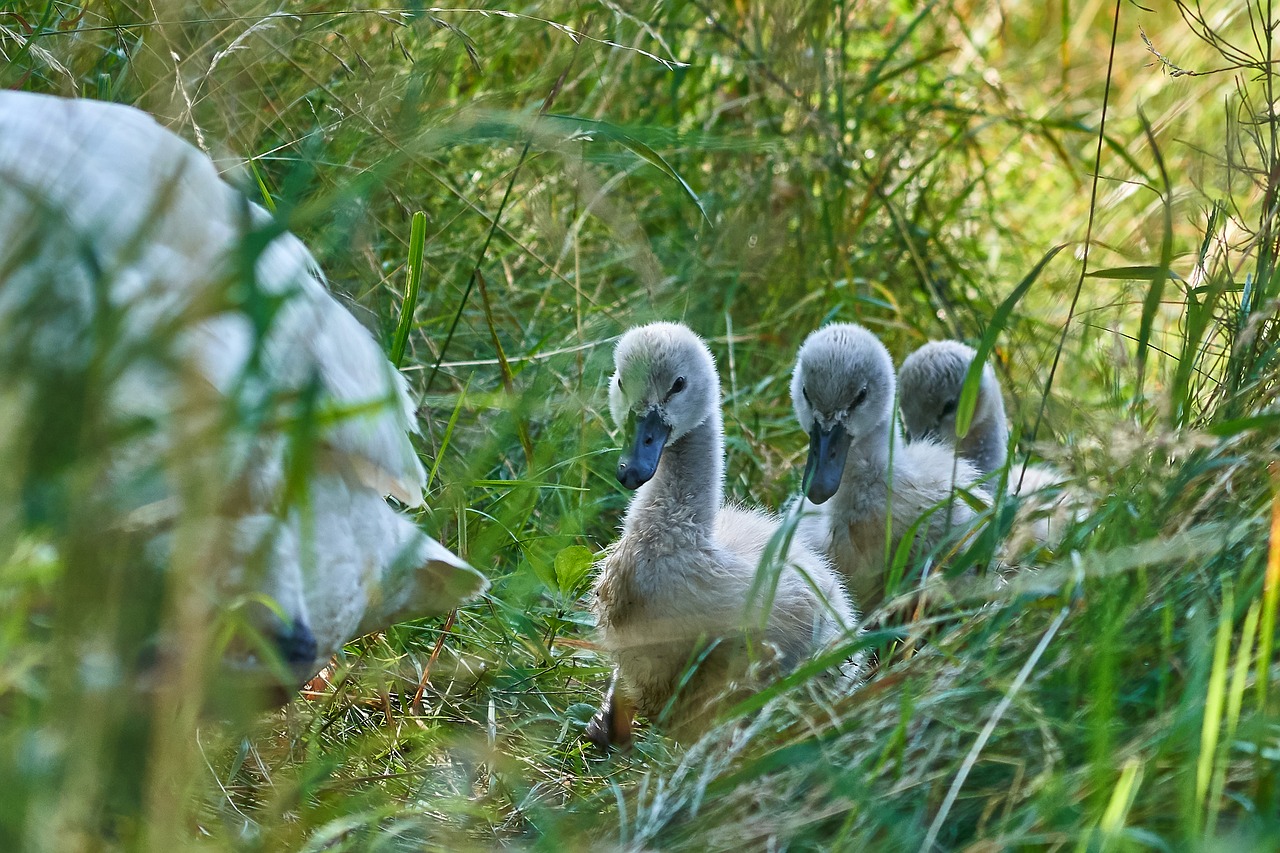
x,y
248,424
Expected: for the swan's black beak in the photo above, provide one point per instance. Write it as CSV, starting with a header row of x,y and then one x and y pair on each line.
x,y
637,467
828,451
298,649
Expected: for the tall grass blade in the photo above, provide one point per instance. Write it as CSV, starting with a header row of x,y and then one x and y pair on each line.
x,y
1199,316
999,321
1235,701
1270,598
1265,784
1116,814
261,182
1155,288
1215,700
448,434
417,241
504,369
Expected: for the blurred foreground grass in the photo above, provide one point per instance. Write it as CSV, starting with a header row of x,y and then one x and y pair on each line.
x,y
752,169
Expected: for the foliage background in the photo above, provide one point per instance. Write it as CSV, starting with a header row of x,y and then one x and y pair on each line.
x,y
754,170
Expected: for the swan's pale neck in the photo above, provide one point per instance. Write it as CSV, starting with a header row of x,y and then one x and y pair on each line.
x,y
688,487
987,443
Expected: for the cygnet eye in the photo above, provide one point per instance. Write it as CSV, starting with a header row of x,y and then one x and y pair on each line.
x,y
860,399
949,407
678,385
804,392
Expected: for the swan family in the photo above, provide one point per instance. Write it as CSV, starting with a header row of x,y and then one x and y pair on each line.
x,y
215,307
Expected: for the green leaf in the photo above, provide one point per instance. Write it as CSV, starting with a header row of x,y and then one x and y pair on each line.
x,y
572,565
541,569
580,713
1134,273
1226,429
267,201
1151,304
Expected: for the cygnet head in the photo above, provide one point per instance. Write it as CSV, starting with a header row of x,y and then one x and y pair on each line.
x,y
842,390
664,385
930,382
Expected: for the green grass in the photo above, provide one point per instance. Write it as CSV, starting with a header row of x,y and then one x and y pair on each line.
x,y
754,170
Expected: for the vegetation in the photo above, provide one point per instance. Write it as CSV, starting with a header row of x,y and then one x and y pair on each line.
x,y
753,169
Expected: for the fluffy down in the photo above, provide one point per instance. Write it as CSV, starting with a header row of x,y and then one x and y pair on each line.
x,y
930,381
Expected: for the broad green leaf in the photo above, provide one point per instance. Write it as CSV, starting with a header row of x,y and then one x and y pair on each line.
x,y
571,565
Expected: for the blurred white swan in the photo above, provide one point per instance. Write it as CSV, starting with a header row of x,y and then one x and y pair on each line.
x,y
253,407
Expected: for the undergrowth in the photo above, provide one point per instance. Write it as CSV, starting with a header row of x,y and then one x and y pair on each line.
x,y
754,170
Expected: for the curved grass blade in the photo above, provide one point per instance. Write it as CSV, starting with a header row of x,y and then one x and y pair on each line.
x,y
1000,319
639,148
1160,275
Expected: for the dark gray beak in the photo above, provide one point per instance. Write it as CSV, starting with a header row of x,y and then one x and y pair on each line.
x,y
298,647
828,451
637,466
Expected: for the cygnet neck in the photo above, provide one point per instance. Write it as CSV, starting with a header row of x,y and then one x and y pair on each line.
x,y
866,471
987,444
688,487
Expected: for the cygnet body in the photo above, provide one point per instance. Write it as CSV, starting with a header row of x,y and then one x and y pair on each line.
x,y
863,483
689,589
